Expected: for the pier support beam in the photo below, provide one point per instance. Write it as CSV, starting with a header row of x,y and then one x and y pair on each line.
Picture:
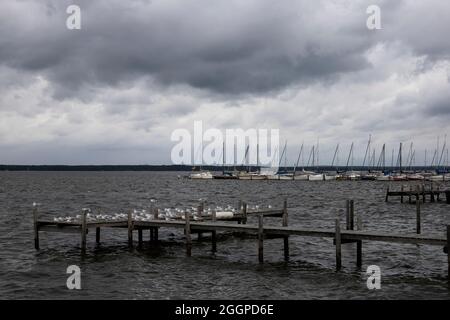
x,y
130,230
260,239
214,233
338,245
83,230
418,226
140,237
359,243
97,235
244,212
387,195
187,231
448,254
285,238
36,226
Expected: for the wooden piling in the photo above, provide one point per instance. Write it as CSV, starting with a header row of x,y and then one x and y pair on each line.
x,y
347,214
387,195
140,237
438,196
97,235
83,230
431,193
448,253
244,213
260,239
352,214
418,227
338,245
359,243
401,197
286,237
187,231
447,196
130,229
36,226
214,233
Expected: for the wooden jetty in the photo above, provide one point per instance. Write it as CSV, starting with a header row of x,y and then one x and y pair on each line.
x,y
263,232
433,193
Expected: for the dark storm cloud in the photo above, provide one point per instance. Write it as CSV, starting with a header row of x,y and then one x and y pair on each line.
x,y
246,48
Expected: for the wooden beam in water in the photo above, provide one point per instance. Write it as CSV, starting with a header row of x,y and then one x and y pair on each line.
x,y
359,242
187,231
260,239
36,226
83,230
214,234
285,238
97,235
130,230
337,238
418,226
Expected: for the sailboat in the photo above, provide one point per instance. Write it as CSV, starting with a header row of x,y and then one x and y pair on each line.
x,y
350,174
315,176
226,174
332,175
199,173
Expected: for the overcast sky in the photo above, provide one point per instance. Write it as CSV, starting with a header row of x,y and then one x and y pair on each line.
x,y
113,92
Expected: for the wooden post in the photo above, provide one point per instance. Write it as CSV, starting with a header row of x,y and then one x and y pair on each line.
x,y
387,195
140,237
97,235
83,230
448,253
359,242
338,245
199,214
156,234
432,192
36,226
285,238
401,195
447,196
244,212
214,233
187,231
352,214
409,194
418,229
260,239
347,214
130,230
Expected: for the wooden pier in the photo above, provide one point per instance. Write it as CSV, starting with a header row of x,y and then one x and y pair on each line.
x,y
419,192
261,231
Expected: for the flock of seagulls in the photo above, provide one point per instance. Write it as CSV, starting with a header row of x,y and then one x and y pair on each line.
x,y
175,213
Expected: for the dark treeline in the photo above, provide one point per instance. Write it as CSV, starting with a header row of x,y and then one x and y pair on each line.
x,y
180,168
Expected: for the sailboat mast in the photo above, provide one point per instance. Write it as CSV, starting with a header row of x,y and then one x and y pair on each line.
x,y
298,158
335,153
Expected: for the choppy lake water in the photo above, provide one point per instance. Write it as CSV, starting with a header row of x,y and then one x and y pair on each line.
x,y
112,271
